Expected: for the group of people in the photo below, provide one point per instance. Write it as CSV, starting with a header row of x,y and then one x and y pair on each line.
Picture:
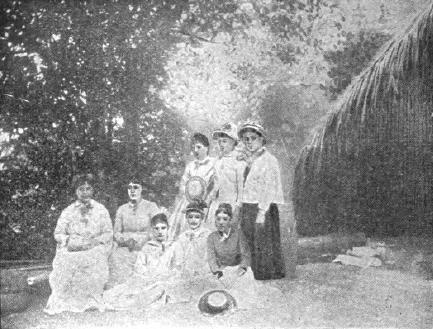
x,y
223,233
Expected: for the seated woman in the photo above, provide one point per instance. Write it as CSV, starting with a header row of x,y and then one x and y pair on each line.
x,y
80,268
229,260
190,249
131,232
153,268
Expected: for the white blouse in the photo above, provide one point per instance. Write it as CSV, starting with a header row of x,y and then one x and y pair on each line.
x,y
263,182
229,178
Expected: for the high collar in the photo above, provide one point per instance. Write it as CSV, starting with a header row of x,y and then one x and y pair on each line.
x,y
202,162
195,233
225,236
79,204
231,154
259,152
155,243
134,205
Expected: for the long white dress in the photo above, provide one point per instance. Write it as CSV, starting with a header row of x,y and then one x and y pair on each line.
x,y
78,277
146,287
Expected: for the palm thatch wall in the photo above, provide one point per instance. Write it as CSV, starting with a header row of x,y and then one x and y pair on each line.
x,y
371,166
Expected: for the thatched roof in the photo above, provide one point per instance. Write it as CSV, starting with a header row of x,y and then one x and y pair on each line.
x,y
385,113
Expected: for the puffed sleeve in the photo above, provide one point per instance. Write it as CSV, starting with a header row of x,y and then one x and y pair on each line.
x,y
154,209
185,177
240,168
118,224
105,235
61,233
272,190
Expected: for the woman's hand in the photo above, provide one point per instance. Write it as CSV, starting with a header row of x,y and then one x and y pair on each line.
x,y
79,243
260,217
218,274
241,271
131,244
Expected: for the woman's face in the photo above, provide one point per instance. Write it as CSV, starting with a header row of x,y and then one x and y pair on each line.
x,y
222,222
194,219
226,144
199,150
160,232
84,192
252,140
134,191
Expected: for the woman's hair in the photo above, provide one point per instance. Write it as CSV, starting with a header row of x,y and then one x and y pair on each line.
x,y
159,218
135,179
196,206
200,138
251,130
81,179
225,208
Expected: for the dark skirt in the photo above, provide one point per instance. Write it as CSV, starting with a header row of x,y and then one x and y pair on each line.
x,y
264,241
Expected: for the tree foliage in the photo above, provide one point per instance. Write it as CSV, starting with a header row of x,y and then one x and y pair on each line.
x,y
78,83
115,87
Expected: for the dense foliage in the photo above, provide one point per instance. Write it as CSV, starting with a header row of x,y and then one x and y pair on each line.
x,y
77,95
116,87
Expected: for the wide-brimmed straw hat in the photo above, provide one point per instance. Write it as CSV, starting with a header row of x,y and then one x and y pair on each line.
x,y
216,302
252,126
226,130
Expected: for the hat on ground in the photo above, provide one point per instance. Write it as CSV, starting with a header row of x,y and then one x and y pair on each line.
x,y
227,130
216,302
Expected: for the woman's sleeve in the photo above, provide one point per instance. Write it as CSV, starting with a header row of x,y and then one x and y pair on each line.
x,y
272,191
211,255
106,229
118,225
240,168
184,179
61,234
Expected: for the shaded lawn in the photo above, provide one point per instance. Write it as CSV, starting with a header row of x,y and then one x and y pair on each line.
x,y
325,295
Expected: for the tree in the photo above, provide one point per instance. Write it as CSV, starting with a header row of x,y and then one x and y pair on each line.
x,y
77,83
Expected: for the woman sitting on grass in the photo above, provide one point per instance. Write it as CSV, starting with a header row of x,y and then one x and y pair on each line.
x,y
131,232
190,248
80,268
229,260
153,268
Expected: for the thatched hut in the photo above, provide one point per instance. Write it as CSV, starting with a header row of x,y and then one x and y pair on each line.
x,y
371,167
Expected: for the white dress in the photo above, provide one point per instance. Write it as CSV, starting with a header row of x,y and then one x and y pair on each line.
x,y
78,277
146,287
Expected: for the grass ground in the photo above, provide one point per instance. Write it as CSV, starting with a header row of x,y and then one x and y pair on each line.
x,y
321,295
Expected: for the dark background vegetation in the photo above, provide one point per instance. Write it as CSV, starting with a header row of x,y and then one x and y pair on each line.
x,y
91,104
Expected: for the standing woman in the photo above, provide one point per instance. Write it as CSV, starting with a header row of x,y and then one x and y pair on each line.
x,y
197,183
80,268
262,191
131,232
229,171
